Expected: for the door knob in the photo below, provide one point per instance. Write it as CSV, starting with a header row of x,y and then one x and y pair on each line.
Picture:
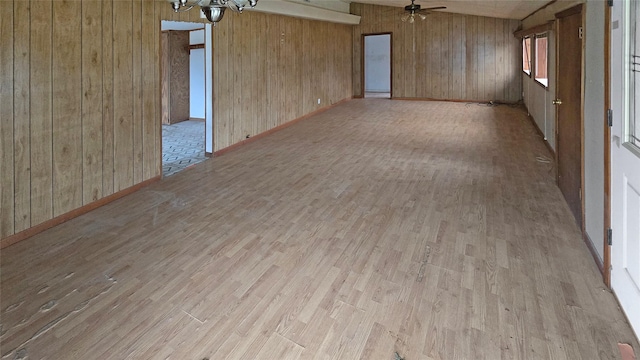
x,y
557,102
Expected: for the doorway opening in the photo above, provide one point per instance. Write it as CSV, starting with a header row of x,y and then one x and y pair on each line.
x,y
377,65
186,116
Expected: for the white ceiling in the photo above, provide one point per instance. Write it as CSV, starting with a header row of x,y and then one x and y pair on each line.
x,y
507,9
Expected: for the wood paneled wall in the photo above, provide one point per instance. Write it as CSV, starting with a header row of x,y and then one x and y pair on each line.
x,y
80,104
174,64
447,56
80,94
269,70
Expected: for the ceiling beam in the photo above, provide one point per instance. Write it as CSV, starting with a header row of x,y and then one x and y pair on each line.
x,y
295,9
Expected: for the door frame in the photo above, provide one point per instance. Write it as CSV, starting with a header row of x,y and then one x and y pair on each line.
x,y
362,36
578,9
606,257
622,157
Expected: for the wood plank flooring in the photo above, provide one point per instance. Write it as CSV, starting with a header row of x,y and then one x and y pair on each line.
x,y
423,228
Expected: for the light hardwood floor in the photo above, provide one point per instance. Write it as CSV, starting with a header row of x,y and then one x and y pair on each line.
x,y
423,228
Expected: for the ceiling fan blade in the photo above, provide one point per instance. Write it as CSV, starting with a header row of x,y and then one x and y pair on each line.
x,y
434,8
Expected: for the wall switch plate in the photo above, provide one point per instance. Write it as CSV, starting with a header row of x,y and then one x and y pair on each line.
x,y
318,101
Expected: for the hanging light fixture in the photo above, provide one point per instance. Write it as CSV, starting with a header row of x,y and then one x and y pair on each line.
x,y
414,10
213,10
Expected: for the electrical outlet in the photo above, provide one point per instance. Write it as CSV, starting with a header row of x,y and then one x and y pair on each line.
x,y
318,101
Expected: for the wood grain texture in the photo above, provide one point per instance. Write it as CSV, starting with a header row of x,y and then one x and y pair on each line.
x,y
123,95
65,137
108,170
423,228
284,72
21,116
67,106
570,123
175,76
91,101
7,195
151,126
178,76
138,119
40,67
165,79
446,56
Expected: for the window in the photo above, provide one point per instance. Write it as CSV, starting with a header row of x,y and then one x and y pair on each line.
x,y
633,122
526,55
541,60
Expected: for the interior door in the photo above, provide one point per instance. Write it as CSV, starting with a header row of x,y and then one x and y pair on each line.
x,y
568,109
625,158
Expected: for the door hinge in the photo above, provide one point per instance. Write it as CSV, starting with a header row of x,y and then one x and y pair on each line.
x,y
610,3
609,236
610,117
580,31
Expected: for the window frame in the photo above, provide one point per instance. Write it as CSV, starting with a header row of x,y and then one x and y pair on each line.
x,y
528,54
543,81
632,56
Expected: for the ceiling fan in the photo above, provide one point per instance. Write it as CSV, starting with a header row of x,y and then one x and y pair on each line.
x,y
414,10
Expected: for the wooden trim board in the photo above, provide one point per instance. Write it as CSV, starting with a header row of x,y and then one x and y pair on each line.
x,y
570,11
8,241
456,100
534,30
606,271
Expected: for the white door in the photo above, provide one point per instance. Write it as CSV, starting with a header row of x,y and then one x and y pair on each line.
x,y
625,158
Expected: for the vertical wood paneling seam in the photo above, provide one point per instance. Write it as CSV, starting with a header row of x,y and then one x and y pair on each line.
x,y
113,95
30,97
29,127
13,99
102,92
141,94
15,125
82,117
51,54
133,95
13,132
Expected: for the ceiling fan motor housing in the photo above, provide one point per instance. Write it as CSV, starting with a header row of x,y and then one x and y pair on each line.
x,y
412,8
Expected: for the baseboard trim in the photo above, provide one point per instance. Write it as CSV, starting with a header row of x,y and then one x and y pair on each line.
x,y
592,249
457,100
25,234
277,128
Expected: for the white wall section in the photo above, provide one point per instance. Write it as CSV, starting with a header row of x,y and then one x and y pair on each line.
x,y
197,76
594,124
539,100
